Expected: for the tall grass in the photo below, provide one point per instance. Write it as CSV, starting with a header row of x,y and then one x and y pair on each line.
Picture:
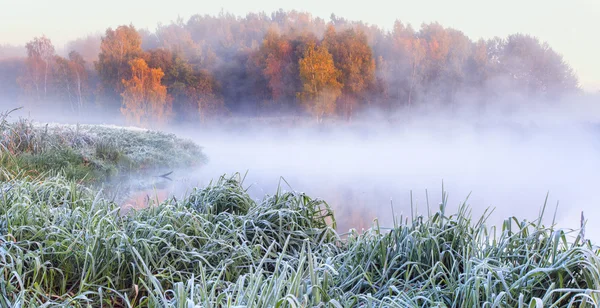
x,y
62,244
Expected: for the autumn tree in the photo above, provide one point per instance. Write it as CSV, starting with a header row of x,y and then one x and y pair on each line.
x,y
320,85
535,68
149,39
478,65
454,73
145,98
436,42
117,49
40,56
408,53
353,56
176,38
160,58
178,80
72,80
203,92
297,23
277,59
250,65
194,93
88,47
252,83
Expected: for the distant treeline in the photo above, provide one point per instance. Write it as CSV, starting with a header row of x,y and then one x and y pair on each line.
x,y
285,63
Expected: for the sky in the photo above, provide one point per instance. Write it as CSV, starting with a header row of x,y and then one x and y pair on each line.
x,y
570,27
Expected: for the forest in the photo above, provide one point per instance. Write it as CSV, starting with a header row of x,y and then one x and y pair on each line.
x,y
285,63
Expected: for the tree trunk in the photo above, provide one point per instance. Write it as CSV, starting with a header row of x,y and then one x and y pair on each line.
x,y
79,96
412,83
45,80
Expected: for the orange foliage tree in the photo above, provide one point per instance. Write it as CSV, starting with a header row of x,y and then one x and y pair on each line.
x,y
117,49
278,54
354,58
320,85
277,60
145,98
250,66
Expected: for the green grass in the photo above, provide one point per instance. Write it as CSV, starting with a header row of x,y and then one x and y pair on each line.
x,y
63,244
90,153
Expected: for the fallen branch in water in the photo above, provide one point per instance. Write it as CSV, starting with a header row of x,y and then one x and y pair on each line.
x,y
166,176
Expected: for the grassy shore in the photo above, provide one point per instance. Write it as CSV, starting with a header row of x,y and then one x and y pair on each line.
x,y
90,153
64,244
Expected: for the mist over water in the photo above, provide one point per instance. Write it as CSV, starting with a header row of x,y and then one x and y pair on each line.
x,y
507,153
508,162
507,157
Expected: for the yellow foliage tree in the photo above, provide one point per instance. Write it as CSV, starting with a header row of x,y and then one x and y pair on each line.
x,y
353,56
145,98
117,49
320,85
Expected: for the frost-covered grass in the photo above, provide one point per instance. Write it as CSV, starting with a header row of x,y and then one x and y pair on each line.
x,y
62,244
90,153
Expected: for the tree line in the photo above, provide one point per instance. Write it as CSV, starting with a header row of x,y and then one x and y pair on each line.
x,y
277,64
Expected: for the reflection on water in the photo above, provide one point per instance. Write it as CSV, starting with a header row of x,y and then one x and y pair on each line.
x,y
356,205
351,206
364,175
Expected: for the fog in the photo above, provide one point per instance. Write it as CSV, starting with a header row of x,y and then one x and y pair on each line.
x,y
507,160
508,157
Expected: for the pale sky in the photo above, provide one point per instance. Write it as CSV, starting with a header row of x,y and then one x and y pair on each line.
x,y
569,26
